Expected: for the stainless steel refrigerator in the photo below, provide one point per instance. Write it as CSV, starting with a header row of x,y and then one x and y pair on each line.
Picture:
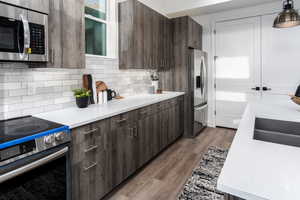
x,y
200,79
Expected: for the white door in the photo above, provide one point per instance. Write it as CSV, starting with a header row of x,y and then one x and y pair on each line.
x,y
280,59
237,68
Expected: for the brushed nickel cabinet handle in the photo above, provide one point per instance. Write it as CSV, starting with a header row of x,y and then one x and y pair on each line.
x,y
135,132
131,134
91,166
91,149
91,131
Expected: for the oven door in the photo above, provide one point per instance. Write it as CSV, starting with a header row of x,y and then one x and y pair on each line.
x,y
44,176
14,33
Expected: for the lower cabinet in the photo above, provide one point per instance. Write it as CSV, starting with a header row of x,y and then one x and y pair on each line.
x,y
107,152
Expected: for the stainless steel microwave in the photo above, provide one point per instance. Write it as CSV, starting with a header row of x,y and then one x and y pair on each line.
x,y
23,35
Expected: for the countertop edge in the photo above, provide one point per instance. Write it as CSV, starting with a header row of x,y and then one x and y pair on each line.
x,y
105,116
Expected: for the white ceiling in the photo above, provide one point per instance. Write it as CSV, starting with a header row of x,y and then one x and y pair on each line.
x,y
175,8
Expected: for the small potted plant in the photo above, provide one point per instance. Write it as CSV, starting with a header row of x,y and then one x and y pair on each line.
x,y
82,97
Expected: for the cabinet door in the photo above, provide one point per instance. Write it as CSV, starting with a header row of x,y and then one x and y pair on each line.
x,y
161,42
73,34
155,134
55,34
163,118
131,34
180,115
172,135
124,158
66,34
148,37
156,50
144,139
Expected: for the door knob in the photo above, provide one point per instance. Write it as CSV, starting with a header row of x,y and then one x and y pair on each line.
x,y
256,88
266,89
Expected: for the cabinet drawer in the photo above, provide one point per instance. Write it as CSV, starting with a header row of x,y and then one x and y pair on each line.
x,y
162,106
147,111
172,102
126,118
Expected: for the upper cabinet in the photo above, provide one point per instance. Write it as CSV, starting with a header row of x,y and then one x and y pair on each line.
x,y
66,34
145,37
195,34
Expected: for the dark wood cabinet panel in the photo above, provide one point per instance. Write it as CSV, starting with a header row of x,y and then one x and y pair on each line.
x,y
55,33
66,34
145,37
144,139
194,34
148,38
131,34
187,36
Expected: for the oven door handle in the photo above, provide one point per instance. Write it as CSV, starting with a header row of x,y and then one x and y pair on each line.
x,y
32,165
26,49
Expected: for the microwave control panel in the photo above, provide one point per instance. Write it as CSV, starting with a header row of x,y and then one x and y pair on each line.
x,y
37,39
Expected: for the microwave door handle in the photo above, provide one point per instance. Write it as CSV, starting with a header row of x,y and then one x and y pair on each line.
x,y
33,165
26,36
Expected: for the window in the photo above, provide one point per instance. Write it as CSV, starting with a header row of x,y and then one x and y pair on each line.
x,y
96,23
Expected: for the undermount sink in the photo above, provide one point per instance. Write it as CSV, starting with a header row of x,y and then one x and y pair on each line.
x,y
275,131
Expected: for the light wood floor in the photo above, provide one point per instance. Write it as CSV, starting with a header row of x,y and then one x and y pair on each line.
x,y
165,176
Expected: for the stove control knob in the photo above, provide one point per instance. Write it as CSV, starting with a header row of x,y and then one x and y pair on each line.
x,y
48,139
59,137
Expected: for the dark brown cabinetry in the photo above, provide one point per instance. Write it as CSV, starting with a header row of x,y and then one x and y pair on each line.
x,y
91,165
187,36
194,34
66,34
145,37
107,152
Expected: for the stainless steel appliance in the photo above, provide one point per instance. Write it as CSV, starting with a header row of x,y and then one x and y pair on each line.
x,y
34,160
23,34
199,65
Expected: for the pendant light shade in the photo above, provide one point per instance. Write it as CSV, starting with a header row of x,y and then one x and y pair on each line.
x,y
289,17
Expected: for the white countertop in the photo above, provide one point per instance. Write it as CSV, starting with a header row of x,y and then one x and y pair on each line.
x,y
258,170
75,117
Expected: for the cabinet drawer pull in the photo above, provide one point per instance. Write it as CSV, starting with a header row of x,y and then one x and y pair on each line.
x,y
91,131
90,167
91,149
135,132
121,121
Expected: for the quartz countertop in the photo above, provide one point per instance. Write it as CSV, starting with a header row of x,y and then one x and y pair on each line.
x,y
75,117
258,170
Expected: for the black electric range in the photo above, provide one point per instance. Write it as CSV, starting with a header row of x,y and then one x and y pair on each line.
x,y
34,159
18,128
22,135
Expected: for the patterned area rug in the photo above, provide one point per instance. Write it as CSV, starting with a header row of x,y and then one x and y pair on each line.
x,y
202,185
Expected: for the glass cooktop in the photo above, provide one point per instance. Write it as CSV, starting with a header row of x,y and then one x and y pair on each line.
x,y
17,128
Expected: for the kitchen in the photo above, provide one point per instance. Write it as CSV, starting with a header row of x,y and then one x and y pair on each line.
x,y
148,99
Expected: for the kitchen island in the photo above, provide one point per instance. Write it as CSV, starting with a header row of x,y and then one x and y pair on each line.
x,y
258,170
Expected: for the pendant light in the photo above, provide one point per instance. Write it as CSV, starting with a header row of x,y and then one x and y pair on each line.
x,y
289,17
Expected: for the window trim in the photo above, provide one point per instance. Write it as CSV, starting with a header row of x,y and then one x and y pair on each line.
x,y
109,21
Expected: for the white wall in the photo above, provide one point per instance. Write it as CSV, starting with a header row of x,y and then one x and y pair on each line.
x,y
209,21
